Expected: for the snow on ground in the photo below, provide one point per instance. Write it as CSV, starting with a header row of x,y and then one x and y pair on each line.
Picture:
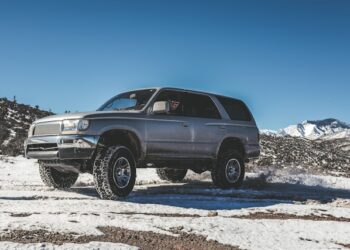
x,y
296,211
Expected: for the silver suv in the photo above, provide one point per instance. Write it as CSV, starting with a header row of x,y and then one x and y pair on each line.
x,y
170,129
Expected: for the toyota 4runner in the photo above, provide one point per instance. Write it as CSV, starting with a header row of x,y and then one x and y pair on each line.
x,y
170,129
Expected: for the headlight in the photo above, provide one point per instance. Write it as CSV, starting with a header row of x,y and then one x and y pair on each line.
x,y
83,124
30,131
75,125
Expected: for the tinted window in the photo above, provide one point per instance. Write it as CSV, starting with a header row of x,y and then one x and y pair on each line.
x,y
200,106
175,100
188,104
236,109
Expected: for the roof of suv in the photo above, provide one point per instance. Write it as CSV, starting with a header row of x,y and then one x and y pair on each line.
x,y
196,91
189,90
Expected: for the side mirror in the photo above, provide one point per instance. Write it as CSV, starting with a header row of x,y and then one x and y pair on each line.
x,y
162,107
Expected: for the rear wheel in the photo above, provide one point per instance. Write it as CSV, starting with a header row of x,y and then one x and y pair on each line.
x,y
229,170
173,175
114,172
54,178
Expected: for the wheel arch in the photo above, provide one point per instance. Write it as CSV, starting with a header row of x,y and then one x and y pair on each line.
x,y
124,137
232,142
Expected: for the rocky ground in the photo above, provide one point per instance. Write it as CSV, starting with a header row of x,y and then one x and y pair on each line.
x,y
292,211
331,157
144,240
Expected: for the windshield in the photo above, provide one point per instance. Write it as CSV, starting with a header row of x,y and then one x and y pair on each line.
x,y
133,100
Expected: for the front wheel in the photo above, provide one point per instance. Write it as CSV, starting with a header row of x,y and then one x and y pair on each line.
x,y
229,170
114,172
54,178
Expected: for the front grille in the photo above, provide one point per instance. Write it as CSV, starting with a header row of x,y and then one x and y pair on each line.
x,y
42,147
47,129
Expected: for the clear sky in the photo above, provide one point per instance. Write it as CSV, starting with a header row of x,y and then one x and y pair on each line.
x,y
288,60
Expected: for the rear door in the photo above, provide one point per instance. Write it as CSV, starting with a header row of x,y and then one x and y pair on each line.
x,y
205,118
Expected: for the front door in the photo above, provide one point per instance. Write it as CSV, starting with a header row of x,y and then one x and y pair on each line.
x,y
170,135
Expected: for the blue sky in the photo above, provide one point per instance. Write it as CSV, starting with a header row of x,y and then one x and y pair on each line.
x,y
288,60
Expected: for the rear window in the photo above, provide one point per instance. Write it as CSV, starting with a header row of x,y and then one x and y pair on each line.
x,y
200,106
236,109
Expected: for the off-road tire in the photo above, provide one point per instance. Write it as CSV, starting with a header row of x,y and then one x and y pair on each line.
x,y
218,173
172,175
54,178
104,181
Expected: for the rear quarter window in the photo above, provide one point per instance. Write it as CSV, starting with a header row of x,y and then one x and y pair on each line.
x,y
236,109
201,106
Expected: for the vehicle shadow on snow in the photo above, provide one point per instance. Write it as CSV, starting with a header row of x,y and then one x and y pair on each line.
x,y
203,195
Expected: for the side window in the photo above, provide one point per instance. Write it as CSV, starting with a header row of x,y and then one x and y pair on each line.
x,y
196,105
236,109
175,100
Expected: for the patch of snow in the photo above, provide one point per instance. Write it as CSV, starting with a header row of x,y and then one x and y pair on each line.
x,y
283,176
274,234
338,135
11,136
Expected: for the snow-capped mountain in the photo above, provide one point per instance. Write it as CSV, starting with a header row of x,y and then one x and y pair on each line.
x,y
319,129
269,132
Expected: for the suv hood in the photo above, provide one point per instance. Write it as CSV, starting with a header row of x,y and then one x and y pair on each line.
x,y
85,115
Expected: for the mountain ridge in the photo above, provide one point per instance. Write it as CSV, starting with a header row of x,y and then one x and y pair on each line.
x,y
314,129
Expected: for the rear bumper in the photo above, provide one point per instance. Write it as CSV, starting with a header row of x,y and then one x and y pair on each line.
x,y
61,147
252,150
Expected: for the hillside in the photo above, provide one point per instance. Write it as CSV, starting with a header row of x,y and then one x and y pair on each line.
x,y
303,155
15,120
316,146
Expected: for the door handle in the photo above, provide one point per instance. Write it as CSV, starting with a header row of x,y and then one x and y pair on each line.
x,y
222,127
185,124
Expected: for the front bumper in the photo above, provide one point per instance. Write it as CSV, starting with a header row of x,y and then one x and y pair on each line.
x,y
62,147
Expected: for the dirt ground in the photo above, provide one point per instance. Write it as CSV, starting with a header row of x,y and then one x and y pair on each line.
x,y
144,240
